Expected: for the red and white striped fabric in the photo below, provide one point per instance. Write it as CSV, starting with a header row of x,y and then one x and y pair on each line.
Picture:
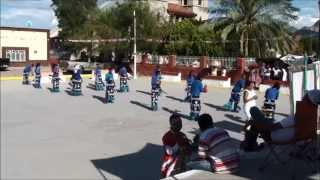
x,y
216,146
172,143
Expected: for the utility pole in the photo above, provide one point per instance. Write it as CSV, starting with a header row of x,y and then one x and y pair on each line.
x,y
134,45
318,55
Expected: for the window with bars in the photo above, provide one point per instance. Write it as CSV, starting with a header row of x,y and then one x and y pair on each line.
x,y
16,55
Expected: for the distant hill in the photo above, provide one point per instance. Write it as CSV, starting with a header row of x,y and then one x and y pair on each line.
x,y
311,31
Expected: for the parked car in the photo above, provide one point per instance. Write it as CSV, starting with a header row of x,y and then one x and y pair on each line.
x,y
4,63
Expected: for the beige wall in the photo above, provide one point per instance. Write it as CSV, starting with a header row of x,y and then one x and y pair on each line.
x,y
202,12
37,42
160,7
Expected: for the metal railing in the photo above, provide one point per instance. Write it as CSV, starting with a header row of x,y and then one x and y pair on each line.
x,y
158,59
188,61
228,62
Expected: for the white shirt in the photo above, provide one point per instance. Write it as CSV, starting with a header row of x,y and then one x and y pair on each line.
x,y
285,134
276,71
251,94
284,76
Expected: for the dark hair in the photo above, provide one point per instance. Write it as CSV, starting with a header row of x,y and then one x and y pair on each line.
x,y
247,84
256,114
205,122
198,77
190,73
175,122
276,85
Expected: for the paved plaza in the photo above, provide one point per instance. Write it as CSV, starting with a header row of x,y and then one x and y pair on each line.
x,y
48,135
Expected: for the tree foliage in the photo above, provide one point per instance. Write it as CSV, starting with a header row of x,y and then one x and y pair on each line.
x,y
261,24
250,27
72,15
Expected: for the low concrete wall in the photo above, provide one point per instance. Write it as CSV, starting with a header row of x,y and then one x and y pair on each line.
x,y
218,82
171,78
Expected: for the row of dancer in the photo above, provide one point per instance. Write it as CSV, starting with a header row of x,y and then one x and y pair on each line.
x,y
76,80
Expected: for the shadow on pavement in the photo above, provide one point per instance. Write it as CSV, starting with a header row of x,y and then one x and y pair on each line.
x,y
234,118
91,86
144,164
101,99
141,105
51,90
143,92
176,99
69,92
177,112
218,108
229,126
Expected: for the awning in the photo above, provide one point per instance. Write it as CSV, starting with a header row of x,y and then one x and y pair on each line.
x,y
180,11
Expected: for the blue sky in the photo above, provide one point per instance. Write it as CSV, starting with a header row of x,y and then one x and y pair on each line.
x,y
17,13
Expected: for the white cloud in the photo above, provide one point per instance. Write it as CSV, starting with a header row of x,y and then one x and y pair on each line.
x,y
17,12
307,20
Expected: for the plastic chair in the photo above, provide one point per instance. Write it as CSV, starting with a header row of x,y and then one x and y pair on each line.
x,y
304,141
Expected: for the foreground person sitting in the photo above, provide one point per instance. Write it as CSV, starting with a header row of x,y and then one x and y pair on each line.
x,y
216,152
281,131
176,148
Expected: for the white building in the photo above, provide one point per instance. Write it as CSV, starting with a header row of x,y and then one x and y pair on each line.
x,y
180,9
23,45
174,9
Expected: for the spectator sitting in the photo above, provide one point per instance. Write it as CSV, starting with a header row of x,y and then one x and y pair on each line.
x,y
216,151
176,148
282,131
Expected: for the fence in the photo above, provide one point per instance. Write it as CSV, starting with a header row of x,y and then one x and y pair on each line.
x,y
228,62
194,61
188,61
158,59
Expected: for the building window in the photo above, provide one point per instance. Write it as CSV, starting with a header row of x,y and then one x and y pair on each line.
x,y
16,55
185,2
199,2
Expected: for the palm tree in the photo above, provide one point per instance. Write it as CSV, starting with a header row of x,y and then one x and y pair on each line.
x,y
259,24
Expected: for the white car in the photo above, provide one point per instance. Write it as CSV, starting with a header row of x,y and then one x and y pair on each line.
x,y
72,65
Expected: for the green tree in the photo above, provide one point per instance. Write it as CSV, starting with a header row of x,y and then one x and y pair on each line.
x,y
188,37
72,15
261,24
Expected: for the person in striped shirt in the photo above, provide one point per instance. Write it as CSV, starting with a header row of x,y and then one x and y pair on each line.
x,y
216,151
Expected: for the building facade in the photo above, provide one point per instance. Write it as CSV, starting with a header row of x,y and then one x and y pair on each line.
x,y
24,45
181,9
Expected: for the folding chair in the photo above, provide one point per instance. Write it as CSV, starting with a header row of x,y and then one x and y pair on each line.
x,y
304,142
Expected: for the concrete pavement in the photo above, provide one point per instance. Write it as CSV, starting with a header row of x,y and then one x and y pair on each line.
x,y
57,136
